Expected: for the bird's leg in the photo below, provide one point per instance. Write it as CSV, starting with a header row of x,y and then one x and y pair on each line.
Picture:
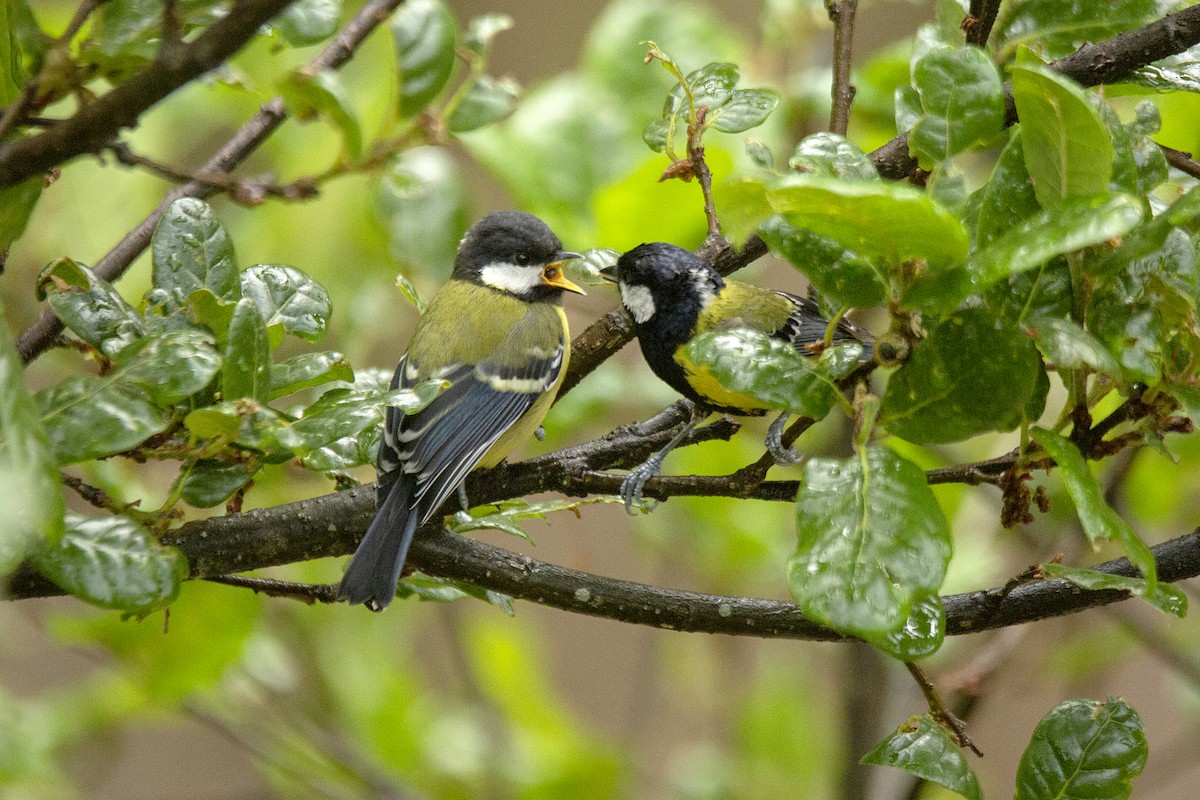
x,y
631,487
784,456
539,433
462,498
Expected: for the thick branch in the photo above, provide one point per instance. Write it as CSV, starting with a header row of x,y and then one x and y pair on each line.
x,y
35,339
1094,64
95,124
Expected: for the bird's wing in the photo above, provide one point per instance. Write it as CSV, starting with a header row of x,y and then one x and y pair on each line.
x,y
444,441
805,325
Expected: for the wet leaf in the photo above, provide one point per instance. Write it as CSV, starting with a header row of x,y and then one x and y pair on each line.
x,y
923,748
89,306
307,22
191,250
307,370
424,33
286,296
489,100
210,482
833,156
746,109
963,103
247,370
1165,597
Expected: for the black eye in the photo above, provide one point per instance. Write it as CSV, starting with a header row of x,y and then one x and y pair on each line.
x,y
521,258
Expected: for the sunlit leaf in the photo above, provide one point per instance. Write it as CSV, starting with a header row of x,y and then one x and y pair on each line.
x,y
872,542
1083,749
1067,147
923,748
113,562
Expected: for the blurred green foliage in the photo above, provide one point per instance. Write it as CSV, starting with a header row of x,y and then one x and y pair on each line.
x,y
201,371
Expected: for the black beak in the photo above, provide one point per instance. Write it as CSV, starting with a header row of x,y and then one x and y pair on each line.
x,y
609,274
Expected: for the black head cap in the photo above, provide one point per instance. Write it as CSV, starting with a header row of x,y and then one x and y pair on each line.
x,y
659,264
506,237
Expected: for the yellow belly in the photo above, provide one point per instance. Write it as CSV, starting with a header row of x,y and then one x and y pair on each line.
x,y
706,385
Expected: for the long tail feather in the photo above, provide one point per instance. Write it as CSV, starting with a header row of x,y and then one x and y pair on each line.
x,y
375,567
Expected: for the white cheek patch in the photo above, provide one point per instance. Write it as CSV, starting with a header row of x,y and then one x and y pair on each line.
x,y
511,278
639,302
703,286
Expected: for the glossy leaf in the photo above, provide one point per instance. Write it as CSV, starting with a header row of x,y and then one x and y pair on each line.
x,y
877,220
963,103
308,22
286,296
246,423
344,453
971,374
921,634
210,482
307,370
923,748
89,306
1059,27
833,156
656,134
1083,749
746,109
247,370
1165,597
113,562
751,362
424,33
422,203
487,101
840,274
321,94
1069,346
1062,229
171,366
88,417
482,29
12,74
1179,72
1149,237
1008,196
872,542
32,504
16,205
205,308
441,590
191,250
1098,518
1067,148
712,85
341,413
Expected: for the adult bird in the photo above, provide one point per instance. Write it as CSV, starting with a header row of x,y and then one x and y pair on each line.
x,y
495,333
674,296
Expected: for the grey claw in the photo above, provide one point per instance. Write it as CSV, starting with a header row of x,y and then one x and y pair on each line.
x,y
784,456
635,481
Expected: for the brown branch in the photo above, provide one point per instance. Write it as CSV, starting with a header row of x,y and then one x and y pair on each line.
x,y
938,709
977,26
39,336
841,13
1181,161
96,123
1092,65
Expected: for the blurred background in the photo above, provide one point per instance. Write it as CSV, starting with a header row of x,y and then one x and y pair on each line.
x,y
245,697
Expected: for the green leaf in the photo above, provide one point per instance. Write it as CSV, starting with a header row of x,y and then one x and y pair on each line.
x,y
1179,73
746,109
121,26
424,34
1083,749
1061,229
921,634
1069,346
875,219
833,156
341,413
113,562
89,306
712,85
1059,27
750,362
1066,145
487,101
839,274
321,94
411,294
1146,239
504,516
872,542
923,748
248,424
286,296
971,374
344,453
247,370
307,370
16,206
656,133
759,153
12,72
171,366
190,250
422,203
963,102
210,482
87,417
1008,196
907,108
1166,597
482,29
32,507
441,590
206,309
308,22
1098,518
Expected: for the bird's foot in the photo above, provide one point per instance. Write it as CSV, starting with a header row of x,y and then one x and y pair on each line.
x,y
784,456
462,498
635,481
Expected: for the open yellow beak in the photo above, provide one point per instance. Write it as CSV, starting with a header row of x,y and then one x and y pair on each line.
x,y
553,275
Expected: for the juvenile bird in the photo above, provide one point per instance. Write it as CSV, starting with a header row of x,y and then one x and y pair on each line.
x,y
497,334
674,296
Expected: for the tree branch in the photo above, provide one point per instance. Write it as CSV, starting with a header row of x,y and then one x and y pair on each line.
x,y
1093,64
841,13
38,336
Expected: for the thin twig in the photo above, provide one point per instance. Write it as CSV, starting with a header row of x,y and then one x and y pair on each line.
x,y
307,593
977,25
938,710
841,13
1181,161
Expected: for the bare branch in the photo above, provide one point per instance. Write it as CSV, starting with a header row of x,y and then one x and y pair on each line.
x,y
841,12
977,26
